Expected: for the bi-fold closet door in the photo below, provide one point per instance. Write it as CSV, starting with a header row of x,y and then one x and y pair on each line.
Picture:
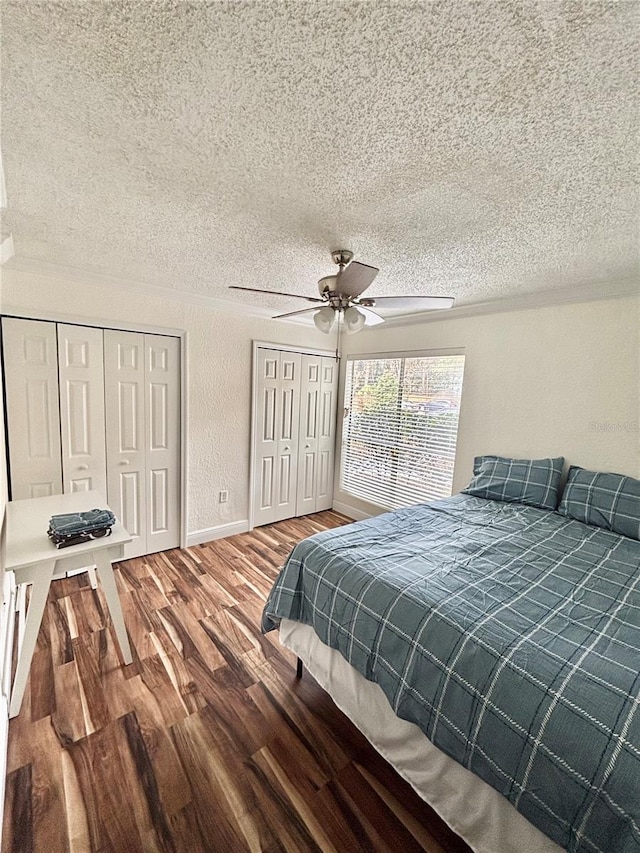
x,y
30,350
82,416
316,447
98,409
294,434
142,383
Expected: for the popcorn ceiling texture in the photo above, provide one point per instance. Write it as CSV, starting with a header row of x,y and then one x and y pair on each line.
x,y
473,149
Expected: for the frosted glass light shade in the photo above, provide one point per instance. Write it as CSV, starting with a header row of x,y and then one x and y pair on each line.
x,y
353,320
324,319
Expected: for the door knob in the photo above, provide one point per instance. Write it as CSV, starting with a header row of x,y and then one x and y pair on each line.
x,y
286,450
83,467
125,462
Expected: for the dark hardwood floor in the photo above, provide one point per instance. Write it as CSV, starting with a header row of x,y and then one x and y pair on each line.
x,y
207,742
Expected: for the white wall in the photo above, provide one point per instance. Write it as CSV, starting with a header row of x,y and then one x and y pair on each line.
x,y
561,380
219,366
553,381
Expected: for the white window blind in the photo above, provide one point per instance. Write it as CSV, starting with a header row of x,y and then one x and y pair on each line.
x,y
399,435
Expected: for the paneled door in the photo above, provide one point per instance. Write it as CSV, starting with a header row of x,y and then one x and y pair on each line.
x,y
276,421
326,441
162,439
82,425
142,398
33,422
294,419
97,409
124,375
317,434
308,446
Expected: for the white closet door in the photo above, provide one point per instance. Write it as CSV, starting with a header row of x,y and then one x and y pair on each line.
x,y
265,440
276,401
124,375
308,445
326,434
288,437
162,421
82,427
33,420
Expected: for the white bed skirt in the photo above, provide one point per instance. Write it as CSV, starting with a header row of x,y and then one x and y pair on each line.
x,y
474,810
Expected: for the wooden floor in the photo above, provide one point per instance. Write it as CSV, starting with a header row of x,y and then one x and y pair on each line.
x,y
207,742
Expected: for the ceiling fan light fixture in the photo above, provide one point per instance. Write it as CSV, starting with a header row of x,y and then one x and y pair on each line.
x,y
341,293
353,320
324,319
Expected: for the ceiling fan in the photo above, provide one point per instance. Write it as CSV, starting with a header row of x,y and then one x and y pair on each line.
x,y
341,293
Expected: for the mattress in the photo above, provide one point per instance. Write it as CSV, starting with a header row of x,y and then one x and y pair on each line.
x,y
473,810
509,635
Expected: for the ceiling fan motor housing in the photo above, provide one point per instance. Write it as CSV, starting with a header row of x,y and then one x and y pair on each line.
x,y
327,288
327,285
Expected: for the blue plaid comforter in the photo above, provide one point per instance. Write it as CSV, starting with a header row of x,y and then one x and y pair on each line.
x,y
509,634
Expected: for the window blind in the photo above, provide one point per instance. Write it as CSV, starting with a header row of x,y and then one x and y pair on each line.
x,y
400,431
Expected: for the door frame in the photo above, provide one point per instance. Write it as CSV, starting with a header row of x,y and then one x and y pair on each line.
x,y
254,384
143,328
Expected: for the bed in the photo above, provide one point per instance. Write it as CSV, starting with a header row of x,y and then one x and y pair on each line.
x,y
504,642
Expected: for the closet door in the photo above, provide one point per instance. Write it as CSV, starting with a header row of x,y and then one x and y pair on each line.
x,y
326,433
162,439
124,377
276,412
33,420
308,445
82,426
287,432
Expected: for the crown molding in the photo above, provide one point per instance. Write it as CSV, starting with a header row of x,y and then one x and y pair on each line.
x,y
20,263
595,291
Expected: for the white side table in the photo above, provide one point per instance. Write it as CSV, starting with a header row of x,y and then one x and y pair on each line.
x,y
34,559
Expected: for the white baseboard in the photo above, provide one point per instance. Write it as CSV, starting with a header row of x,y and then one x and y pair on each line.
x,y
197,537
350,511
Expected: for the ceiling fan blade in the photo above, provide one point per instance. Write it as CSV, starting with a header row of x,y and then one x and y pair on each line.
x,y
412,303
276,293
370,317
355,279
293,313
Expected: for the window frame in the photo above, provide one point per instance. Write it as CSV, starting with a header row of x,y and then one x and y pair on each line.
x,y
347,496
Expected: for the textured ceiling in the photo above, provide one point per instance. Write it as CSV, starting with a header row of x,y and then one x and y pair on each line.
x,y
480,150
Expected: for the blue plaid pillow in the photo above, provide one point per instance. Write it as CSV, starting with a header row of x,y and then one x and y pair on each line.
x,y
611,501
534,482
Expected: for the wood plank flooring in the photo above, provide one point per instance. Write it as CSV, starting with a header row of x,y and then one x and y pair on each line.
x,y
207,742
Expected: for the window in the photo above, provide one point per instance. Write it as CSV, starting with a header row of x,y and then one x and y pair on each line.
x,y
400,430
